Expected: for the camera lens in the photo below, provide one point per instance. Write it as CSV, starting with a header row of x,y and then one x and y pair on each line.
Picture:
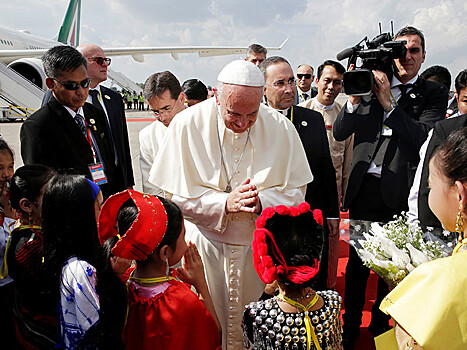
x,y
358,82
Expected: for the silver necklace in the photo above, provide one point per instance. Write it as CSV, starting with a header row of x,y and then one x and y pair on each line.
x,y
228,189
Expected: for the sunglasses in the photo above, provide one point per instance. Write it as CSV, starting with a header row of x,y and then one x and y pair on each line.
x,y
306,76
73,85
100,60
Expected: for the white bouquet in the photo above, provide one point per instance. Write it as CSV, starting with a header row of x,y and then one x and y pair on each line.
x,y
393,250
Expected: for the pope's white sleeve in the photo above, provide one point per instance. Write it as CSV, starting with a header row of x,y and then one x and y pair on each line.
x,y
207,211
271,197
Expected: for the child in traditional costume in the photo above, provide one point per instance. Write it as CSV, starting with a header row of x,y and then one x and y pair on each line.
x,y
286,248
163,312
35,312
70,206
7,219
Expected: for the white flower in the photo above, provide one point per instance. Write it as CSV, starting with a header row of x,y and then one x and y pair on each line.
x,y
418,257
400,258
366,255
446,233
381,263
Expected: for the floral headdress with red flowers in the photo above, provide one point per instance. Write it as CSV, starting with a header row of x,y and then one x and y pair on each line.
x,y
264,265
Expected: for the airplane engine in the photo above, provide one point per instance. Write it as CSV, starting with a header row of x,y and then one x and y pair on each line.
x,y
32,69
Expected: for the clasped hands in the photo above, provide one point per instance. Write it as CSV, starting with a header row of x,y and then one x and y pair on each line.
x,y
243,198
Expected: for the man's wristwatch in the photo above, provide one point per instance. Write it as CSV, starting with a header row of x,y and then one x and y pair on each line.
x,y
389,109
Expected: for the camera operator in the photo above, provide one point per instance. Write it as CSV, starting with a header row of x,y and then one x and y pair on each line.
x,y
390,126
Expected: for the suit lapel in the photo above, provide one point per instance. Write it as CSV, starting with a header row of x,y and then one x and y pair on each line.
x,y
69,126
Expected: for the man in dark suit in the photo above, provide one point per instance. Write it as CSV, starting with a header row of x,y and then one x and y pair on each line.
x,y
305,76
67,133
111,103
389,127
418,201
321,193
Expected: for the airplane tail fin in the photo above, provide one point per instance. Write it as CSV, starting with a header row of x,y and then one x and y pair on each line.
x,y
69,30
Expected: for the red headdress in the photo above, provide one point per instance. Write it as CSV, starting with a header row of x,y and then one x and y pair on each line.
x,y
146,232
264,265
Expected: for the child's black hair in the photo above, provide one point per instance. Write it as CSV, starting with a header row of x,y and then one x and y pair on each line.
x,y
300,240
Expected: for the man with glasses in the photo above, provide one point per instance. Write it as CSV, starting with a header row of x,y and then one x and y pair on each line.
x,y
165,98
111,103
304,80
223,161
67,133
321,193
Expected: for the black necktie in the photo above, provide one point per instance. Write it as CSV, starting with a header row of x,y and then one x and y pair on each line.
x,y
95,98
305,97
404,88
80,122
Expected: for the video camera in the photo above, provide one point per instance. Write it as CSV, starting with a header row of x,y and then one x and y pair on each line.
x,y
378,55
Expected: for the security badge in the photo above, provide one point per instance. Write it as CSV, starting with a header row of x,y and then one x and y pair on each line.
x,y
304,123
412,95
107,97
97,173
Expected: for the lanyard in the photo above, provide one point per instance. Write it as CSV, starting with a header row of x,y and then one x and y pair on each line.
x,y
301,95
89,139
310,332
291,114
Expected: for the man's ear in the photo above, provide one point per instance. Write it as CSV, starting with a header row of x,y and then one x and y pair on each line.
x,y
26,205
182,97
50,83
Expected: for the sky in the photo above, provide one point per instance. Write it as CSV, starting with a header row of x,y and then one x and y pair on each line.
x,y
317,30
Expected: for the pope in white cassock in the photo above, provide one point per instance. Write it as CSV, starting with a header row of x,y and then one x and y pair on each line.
x,y
222,161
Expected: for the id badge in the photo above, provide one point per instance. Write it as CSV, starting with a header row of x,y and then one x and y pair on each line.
x,y
98,174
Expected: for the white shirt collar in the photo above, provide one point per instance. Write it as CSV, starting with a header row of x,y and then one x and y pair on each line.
x,y
282,111
73,113
97,88
395,81
304,92
323,107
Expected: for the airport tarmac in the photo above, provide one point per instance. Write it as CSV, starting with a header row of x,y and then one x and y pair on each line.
x,y
135,121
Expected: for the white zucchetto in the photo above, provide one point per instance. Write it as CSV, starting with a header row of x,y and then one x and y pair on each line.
x,y
241,72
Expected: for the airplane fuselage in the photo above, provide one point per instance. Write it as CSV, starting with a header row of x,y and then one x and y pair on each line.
x,y
21,40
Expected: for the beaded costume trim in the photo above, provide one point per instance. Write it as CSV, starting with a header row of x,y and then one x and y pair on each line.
x,y
274,329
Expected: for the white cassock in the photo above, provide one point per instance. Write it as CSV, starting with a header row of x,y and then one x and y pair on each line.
x,y
189,169
150,141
